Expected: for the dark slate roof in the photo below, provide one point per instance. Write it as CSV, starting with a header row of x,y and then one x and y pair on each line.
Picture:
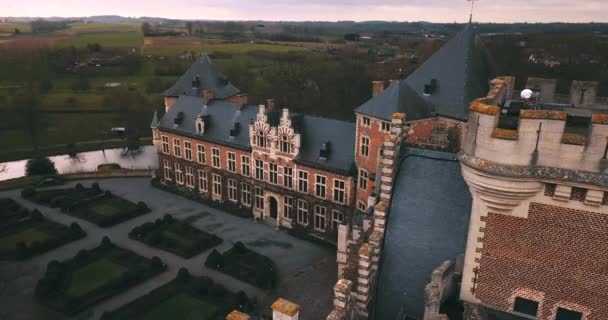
x,y
461,68
427,225
210,79
315,130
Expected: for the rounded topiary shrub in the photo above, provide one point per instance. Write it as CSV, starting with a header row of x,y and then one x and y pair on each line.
x,y
183,274
239,247
79,187
142,207
108,193
105,242
36,215
95,186
214,260
75,227
40,166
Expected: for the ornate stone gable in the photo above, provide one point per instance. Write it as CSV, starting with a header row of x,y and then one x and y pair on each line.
x,y
282,140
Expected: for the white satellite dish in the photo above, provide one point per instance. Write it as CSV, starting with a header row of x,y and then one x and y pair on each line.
x,y
527,94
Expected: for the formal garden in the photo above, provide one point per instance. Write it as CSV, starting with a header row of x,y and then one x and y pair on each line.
x,y
185,297
175,236
24,232
246,265
93,275
92,204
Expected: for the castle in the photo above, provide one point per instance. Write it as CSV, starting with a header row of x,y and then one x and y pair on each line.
x,y
446,188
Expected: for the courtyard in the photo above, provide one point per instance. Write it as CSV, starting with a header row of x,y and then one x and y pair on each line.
x,y
306,271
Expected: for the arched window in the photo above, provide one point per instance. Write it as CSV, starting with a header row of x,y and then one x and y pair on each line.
x,y
285,145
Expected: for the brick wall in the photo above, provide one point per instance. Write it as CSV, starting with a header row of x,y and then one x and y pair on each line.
x,y
557,255
436,133
310,197
370,162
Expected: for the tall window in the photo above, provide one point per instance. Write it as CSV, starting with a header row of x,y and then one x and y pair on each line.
x,y
179,174
285,144
288,177
362,179
320,186
231,162
339,191
177,151
167,167
364,146
337,219
203,182
245,166
232,194
261,139
215,157
386,126
274,173
366,121
259,198
165,141
217,185
525,306
190,177
259,169
246,194
302,212
200,151
320,218
187,150
288,207
361,206
303,181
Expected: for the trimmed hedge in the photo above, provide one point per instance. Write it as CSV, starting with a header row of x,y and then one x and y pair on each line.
x,y
202,288
155,234
16,218
246,265
228,207
52,289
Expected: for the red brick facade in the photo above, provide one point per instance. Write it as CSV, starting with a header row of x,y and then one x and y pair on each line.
x,y
556,257
436,133
335,211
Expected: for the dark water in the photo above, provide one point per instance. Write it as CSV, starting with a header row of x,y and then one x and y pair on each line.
x,y
146,158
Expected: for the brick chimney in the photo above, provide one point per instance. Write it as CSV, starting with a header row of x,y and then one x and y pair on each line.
x,y
236,315
377,87
285,310
270,105
208,95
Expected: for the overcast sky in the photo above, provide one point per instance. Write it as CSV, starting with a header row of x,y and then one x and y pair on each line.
x,y
326,10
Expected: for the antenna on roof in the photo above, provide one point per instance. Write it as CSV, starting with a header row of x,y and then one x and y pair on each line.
x,y
472,7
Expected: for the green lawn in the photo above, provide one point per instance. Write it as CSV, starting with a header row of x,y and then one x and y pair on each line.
x,y
93,276
28,236
233,48
9,27
105,209
182,306
178,238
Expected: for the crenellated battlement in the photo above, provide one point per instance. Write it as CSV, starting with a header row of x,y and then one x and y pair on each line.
x,y
563,137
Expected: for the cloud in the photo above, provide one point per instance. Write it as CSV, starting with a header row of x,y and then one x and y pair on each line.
x,y
399,10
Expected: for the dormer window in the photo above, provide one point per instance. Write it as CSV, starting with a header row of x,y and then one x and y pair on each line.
x,y
285,145
200,125
261,139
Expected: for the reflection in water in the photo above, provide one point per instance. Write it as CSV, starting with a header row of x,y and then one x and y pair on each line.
x,y
142,158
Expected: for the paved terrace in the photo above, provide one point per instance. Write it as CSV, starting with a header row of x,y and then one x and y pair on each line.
x,y
307,271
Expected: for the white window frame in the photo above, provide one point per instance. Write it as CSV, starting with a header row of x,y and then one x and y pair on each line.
x,y
385,126
246,194
217,185
320,215
363,177
177,148
188,150
216,158
366,121
200,154
302,212
337,218
303,182
246,166
203,181
339,191
232,192
288,177
259,198
320,186
165,144
167,169
231,162
273,173
361,206
259,169
179,174
287,207
285,144
364,147
190,177
261,139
